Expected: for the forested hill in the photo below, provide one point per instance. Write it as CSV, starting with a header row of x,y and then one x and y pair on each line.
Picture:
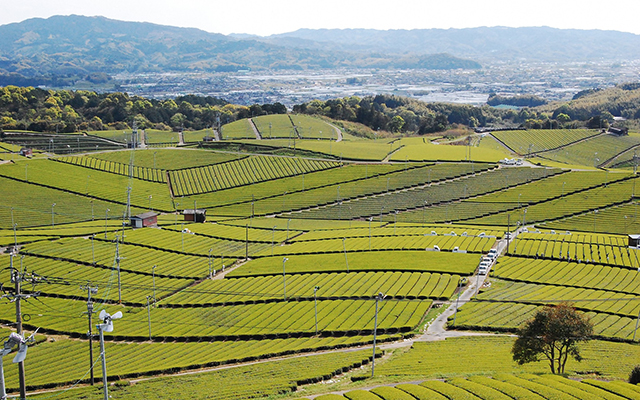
x,y
483,44
77,45
69,111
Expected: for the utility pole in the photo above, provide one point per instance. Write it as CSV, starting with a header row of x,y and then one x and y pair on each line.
x,y
315,305
129,202
210,265
90,291
246,241
508,231
105,326
344,248
149,316
93,254
118,258
15,237
16,277
379,297
273,233
284,279
289,220
106,216
370,219
153,277
457,301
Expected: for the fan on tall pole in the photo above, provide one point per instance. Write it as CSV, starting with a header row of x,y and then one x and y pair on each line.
x,y
14,340
105,326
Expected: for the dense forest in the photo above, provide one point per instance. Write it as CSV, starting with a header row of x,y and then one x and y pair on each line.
x,y
528,100
620,101
409,116
40,110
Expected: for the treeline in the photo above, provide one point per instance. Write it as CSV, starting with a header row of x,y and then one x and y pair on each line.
x,y
402,114
39,110
622,100
526,100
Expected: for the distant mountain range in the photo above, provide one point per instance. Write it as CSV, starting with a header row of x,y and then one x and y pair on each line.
x,y
483,44
77,45
45,50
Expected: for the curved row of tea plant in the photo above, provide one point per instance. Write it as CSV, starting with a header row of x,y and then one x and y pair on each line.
x,y
246,171
142,173
399,285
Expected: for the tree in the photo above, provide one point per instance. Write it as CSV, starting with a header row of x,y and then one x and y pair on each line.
x,y
597,122
553,333
396,124
178,120
634,376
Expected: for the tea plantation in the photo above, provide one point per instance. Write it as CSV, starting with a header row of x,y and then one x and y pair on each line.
x,y
275,295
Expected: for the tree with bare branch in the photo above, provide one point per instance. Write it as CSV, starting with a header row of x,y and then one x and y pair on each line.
x,y
553,333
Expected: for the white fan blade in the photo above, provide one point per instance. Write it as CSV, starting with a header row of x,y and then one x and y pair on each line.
x,y
108,327
22,353
117,315
102,314
33,335
5,352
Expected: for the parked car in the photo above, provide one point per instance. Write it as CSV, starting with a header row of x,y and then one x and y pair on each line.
x,y
483,268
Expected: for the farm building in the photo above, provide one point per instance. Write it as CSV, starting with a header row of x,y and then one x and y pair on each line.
x,y
146,219
619,131
197,215
634,240
26,152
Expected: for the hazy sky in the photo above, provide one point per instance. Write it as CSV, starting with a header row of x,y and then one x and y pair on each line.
x,y
265,17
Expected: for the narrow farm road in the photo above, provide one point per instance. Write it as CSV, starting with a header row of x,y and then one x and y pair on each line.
x,y
338,132
255,129
388,157
143,139
436,330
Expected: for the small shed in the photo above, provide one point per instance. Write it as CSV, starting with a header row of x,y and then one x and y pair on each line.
x,y
26,152
146,219
619,131
634,240
197,215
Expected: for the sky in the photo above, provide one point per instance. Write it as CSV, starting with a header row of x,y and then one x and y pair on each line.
x,y
266,17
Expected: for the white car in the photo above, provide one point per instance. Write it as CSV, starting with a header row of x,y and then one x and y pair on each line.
x,y
483,268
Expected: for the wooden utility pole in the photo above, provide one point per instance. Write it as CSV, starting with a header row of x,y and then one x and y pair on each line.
x,y
16,280
508,232
90,291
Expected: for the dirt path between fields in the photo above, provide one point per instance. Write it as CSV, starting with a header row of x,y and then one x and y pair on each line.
x,y
388,157
338,132
255,129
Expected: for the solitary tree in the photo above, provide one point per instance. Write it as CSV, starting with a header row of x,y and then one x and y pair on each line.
x,y
553,333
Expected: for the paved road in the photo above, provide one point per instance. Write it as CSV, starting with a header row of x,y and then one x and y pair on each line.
x,y
436,329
